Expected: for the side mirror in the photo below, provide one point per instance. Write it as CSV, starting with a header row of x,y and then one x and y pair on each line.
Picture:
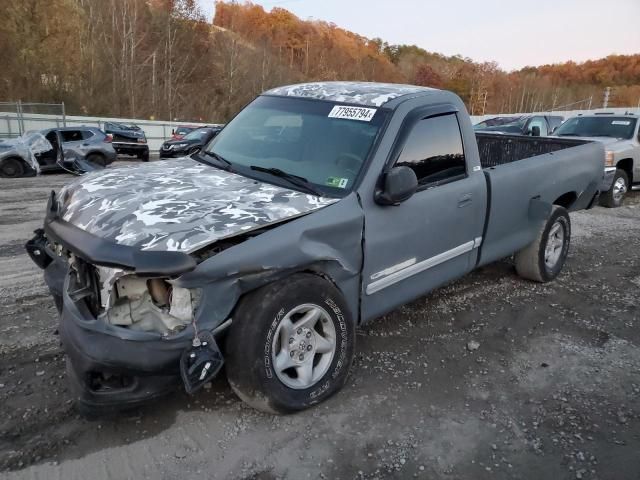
x,y
400,183
535,131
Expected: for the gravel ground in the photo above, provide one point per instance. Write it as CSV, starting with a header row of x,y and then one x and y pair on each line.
x,y
489,377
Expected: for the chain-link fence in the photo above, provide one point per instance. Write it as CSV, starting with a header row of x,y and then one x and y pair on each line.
x,y
19,117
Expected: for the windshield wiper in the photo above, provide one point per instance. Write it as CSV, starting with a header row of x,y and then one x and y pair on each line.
x,y
222,162
296,180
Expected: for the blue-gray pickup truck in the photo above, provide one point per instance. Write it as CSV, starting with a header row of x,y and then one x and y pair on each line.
x,y
317,208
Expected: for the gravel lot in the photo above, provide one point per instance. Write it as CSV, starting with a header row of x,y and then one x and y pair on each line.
x,y
552,391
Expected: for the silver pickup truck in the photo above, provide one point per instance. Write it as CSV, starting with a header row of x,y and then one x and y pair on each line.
x,y
620,134
317,208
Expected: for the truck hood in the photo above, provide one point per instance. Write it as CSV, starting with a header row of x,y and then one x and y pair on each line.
x,y
603,140
180,205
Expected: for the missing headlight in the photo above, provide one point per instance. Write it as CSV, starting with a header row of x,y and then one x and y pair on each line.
x,y
151,305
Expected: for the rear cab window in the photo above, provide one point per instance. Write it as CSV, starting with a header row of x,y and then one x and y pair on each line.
x,y
434,151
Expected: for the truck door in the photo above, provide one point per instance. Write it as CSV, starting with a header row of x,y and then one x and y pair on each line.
x,y
432,237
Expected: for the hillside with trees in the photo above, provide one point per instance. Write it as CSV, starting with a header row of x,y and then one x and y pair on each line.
x,y
162,59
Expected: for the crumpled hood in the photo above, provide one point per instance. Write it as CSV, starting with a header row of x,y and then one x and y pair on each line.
x,y
178,205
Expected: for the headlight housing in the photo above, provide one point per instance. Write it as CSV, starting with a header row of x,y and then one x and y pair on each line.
x,y
609,159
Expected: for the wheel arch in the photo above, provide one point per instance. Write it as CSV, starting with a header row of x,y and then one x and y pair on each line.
x,y
566,200
626,164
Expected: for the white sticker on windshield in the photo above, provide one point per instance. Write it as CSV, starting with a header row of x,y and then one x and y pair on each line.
x,y
621,122
353,113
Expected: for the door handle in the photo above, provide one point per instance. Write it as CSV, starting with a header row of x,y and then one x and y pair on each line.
x,y
465,200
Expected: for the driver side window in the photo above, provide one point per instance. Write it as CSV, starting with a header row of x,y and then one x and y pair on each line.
x,y
433,150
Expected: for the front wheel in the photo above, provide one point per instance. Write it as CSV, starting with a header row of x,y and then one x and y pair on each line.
x,y
543,259
11,168
615,195
290,345
144,156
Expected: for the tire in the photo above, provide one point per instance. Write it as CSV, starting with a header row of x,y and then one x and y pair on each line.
x,y
536,262
97,159
619,188
256,337
11,168
144,156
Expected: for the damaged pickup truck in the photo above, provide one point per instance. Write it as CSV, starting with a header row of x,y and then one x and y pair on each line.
x,y
319,207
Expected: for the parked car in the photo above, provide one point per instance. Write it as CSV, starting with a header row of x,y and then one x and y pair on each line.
x,y
181,130
62,149
128,139
620,134
299,221
534,125
191,143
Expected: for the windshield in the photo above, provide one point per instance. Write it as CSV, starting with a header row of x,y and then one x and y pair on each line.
x,y
495,122
615,127
305,138
182,130
515,124
197,134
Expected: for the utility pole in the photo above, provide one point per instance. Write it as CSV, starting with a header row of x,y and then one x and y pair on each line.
x,y
607,94
153,84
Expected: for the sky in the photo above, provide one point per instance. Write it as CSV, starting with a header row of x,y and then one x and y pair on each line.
x,y
514,33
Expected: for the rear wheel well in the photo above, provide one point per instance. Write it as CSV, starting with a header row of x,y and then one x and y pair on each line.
x,y
566,200
626,165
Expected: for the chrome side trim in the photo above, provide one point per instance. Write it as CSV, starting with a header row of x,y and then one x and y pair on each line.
x,y
416,268
393,268
476,242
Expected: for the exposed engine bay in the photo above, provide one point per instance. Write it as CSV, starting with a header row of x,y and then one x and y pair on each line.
x,y
121,298
150,305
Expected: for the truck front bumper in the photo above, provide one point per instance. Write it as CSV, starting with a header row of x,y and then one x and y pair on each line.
x,y
607,180
108,372
109,367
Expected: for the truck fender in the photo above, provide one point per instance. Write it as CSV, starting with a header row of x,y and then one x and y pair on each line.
x,y
539,210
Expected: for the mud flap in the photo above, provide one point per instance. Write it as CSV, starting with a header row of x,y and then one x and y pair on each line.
x,y
200,363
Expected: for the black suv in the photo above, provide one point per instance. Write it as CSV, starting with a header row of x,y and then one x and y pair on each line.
x,y
191,143
128,139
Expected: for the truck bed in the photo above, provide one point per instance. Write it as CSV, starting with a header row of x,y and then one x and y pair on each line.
x,y
527,175
497,149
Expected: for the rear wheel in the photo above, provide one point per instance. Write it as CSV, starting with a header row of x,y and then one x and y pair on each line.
x,y
543,259
11,168
97,159
290,345
615,196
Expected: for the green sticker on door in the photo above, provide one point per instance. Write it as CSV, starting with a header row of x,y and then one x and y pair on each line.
x,y
337,182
